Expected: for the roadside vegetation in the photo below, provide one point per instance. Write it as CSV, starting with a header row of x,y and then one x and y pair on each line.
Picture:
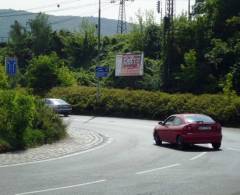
x,y
149,105
26,122
204,75
205,51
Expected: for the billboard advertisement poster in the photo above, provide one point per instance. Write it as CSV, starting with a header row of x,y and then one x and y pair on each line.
x,y
129,64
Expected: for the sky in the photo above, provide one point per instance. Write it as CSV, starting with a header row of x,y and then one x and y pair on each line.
x,y
90,7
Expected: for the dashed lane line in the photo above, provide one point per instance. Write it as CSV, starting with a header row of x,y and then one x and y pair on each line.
x,y
234,149
157,169
62,188
198,156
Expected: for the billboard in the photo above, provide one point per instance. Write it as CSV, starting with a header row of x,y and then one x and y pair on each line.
x,y
129,64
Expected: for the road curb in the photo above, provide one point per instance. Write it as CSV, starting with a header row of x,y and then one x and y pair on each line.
x,y
76,141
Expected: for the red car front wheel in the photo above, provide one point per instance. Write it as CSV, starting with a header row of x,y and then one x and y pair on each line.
x,y
157,139
180,142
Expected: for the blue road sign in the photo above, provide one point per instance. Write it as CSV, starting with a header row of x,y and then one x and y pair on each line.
x,y
102,71
11,66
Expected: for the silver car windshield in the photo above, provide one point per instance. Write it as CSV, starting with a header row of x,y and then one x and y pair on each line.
x,y
58,101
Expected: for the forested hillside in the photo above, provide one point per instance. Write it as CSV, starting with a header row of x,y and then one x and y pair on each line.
x,y
205,54
70,23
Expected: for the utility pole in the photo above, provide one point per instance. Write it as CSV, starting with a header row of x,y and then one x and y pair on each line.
x,y
168,36
159,9
99,26
189,9
122,24
99,45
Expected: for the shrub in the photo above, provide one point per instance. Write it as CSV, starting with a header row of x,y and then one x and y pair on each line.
x,y
26,122
150,105
4,146
3,78
33,137
17,112
49,124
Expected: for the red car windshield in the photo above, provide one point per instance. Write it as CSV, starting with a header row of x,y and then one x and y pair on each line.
x,y
198,118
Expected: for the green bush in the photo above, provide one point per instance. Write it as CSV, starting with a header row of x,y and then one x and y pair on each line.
x,y
26,122
150,105
3,78
50,125
4,146
47,71
33,137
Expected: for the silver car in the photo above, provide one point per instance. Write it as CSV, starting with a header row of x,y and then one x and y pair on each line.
x,y
58,105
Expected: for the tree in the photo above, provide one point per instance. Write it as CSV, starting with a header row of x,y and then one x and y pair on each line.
x,y
136,36
57,43
40,34
66,77
152,41
42,73
220,57
80,47
19,44
218,11
187,78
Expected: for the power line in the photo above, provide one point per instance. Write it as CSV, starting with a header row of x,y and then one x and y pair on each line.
x,y
73,18
48,11
61,21
43,7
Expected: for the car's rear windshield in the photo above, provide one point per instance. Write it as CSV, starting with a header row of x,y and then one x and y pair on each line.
x,y
59,101
198,118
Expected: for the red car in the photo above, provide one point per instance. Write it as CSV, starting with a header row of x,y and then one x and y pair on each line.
x,y
187,129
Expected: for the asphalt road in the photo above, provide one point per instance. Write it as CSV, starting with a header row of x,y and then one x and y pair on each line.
x,y
130,163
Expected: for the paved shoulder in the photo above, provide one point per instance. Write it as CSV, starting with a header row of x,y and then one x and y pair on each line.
x,y
76,141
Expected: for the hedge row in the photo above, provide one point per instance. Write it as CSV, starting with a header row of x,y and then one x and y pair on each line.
x,y
149,105
26,122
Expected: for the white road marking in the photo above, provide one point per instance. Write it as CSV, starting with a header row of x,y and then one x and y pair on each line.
x,y
234,149
61,188
58,158
157,169
198,156
111,123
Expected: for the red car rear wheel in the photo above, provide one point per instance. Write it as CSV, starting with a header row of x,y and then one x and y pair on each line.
x,y
216,146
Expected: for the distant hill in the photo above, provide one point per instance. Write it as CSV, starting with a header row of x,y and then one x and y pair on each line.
x,y
70,23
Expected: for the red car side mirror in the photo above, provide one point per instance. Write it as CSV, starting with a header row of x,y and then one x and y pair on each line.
x,y
161,122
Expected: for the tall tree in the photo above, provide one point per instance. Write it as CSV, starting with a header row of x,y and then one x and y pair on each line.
x,y
40,34
19,44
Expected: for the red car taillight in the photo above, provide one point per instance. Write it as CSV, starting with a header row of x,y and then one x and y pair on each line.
x,y
217,127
